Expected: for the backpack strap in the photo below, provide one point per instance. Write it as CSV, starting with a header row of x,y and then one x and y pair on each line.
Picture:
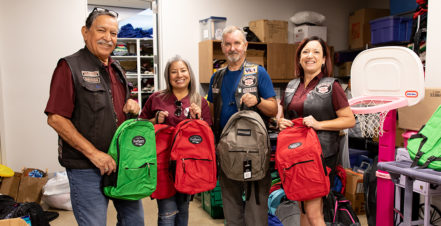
x,y
430,160
419,152
289,94
302,205
217,100
256,191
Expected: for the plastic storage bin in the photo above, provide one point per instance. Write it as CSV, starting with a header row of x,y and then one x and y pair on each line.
x,y
402,6
212,202
212,27
390,29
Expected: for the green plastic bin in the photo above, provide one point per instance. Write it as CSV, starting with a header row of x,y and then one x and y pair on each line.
x,y
212,202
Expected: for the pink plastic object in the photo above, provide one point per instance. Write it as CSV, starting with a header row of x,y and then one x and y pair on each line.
x,y
385,187
386,103
406,135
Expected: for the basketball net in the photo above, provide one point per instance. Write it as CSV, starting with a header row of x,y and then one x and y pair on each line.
x,y
371,125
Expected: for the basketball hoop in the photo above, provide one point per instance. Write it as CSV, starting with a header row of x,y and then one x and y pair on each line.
x,y
372,110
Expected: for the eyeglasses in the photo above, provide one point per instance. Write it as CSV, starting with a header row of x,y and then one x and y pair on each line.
x,y
100,10
178,108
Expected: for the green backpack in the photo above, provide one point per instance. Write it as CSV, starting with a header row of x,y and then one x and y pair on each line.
x,y
425,146
133,147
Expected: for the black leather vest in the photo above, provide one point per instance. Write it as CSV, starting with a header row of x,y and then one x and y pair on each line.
x,y
318,103
93,115
248,84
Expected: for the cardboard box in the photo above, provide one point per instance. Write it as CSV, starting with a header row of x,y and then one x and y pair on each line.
x,y
414,117
359,27
357,202
13,222
354,182
305,31
399,139
275,31
344,69
256,56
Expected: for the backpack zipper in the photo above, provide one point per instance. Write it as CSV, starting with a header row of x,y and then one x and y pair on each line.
x,y
286,169
183,161
143,166
244,151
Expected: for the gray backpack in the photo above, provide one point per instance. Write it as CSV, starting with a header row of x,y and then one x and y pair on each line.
x,y
244,147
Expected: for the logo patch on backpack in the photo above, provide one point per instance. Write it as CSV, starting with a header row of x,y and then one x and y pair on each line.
x,y
138,141
294,145
195,139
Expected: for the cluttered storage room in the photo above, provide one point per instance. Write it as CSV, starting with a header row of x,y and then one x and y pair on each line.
x,y
250,112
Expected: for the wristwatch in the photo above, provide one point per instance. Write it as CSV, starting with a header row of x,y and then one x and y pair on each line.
x,y
258,101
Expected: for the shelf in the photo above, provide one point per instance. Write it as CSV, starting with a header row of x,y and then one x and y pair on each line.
x,y
277,58
143,92
135,75
139,64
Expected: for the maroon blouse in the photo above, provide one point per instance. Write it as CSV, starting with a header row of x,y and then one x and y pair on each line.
x,y
162,102
339,99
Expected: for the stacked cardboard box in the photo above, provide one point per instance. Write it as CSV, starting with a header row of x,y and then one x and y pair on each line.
x,y
359,27
272,31
414,117
305,31
354,190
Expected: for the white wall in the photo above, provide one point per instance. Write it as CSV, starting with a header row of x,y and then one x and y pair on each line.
x,y
433,45
179,20
35,34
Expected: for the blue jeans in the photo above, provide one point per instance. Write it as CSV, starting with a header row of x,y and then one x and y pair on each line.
x,y
174,210
90,204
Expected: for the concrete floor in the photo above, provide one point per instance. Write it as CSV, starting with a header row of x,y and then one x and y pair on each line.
x,y
197,216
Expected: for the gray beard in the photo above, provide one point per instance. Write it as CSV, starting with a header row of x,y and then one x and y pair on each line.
x,y
233,59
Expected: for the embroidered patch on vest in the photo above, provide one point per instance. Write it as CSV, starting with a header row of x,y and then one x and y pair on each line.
x,y
323,88
249,80
250,70
91,76
250,90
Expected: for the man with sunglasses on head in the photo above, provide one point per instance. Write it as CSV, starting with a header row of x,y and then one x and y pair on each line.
x,y
89,99
249,84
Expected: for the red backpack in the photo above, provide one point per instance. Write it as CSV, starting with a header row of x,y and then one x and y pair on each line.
x,y
300,162
164,187
193,153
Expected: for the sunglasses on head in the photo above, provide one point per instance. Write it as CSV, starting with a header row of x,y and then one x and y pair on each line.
x,y
178,111
98,9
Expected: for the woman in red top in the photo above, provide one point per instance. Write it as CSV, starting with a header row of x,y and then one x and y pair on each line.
x,y
170,106
323,105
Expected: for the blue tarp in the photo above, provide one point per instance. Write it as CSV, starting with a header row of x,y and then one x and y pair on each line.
x,y
127,31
